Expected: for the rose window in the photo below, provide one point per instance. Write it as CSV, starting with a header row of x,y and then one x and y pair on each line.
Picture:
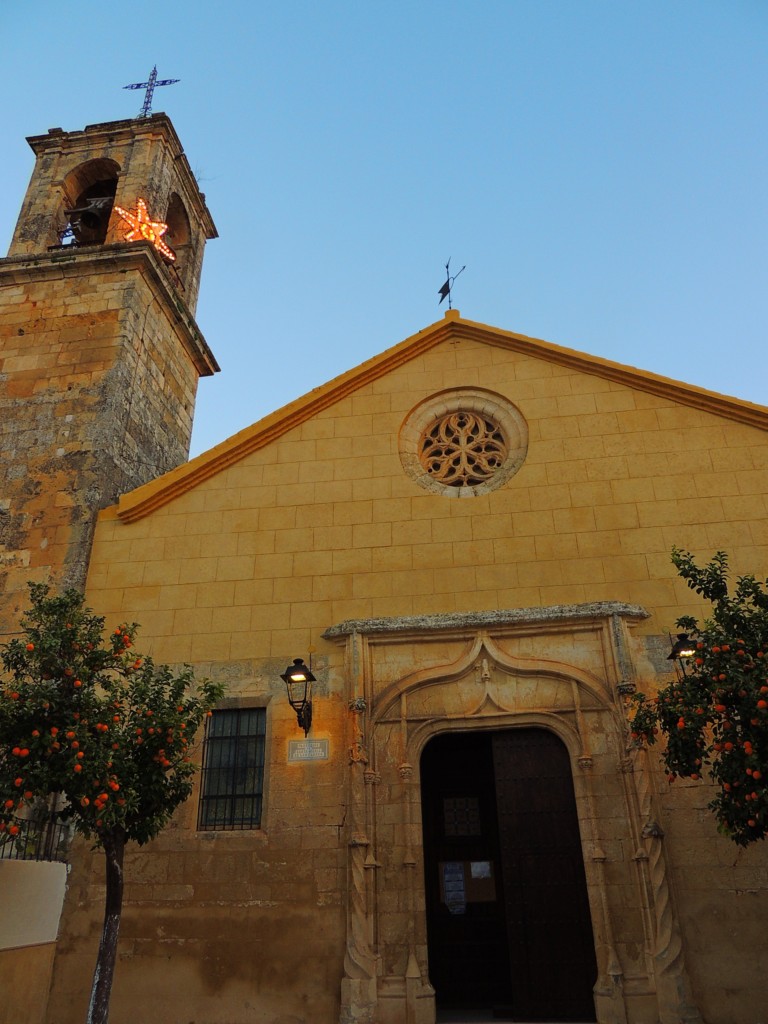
x,y
463,443
463,449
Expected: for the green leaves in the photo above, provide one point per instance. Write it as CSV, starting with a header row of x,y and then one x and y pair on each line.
x,y
711,581
715,716
86,718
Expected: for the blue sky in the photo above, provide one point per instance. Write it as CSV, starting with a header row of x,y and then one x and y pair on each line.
x,y
600,166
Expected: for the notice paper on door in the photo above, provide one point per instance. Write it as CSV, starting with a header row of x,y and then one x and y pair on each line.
x,y
453,890
466,881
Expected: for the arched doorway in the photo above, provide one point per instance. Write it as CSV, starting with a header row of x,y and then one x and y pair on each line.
x,y
509,930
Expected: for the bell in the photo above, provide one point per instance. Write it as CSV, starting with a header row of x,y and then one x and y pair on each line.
x,y
89,222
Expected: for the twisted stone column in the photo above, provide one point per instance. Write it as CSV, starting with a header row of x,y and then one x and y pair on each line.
x,y
676,1003
358,987
413,978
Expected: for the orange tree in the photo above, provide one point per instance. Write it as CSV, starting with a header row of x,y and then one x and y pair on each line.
x,y
107,731
714,717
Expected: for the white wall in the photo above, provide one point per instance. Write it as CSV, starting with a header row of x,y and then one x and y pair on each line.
x,y
31,895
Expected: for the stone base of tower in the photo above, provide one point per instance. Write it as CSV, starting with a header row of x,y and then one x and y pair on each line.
x,y
99,364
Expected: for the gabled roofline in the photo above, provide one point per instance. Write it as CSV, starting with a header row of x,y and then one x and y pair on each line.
x,y
144,500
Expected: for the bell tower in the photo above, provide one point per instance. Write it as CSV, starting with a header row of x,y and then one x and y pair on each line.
x,y
100,354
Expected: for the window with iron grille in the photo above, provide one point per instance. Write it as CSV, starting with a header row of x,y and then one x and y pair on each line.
x,y
233,769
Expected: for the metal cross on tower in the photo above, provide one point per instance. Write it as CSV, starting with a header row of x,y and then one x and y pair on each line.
x,y
150,86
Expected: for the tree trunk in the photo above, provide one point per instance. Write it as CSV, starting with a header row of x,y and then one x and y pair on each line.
x,y
98,1009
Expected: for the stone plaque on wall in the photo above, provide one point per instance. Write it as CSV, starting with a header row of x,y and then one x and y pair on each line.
x,y
308,750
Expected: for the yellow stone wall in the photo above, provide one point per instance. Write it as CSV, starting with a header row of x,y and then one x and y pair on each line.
x,y
323,525
249,567
25,1003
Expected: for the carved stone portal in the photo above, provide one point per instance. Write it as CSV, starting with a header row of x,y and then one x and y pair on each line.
x,y
566,669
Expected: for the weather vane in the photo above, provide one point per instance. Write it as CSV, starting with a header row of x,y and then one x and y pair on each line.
x,y
150,86
445,290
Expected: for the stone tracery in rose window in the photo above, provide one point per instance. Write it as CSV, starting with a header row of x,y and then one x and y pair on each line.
x,y
463,442
463,449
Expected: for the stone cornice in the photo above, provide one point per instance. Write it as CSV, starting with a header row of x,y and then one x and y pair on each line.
x,y
136,256
461,622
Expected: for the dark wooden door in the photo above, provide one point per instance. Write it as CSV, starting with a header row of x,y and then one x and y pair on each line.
x,y
507,915
551,947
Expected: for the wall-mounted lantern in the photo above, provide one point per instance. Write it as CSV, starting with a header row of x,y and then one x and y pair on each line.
x,y
683,648
298,680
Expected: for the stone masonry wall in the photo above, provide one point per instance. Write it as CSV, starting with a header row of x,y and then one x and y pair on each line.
x,y
97,391
249,568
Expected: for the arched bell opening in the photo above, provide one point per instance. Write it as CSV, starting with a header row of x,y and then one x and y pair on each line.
x,y
89,195
509,930
179,237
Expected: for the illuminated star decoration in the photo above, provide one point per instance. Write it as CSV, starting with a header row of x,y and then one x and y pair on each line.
x,y
143,227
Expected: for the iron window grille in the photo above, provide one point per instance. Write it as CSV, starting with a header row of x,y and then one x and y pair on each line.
x,y
233,770
44,839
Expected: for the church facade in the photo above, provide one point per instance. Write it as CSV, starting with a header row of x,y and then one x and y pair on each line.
x,y
465,543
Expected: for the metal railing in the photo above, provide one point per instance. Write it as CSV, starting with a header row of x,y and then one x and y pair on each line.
x,y
47,839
